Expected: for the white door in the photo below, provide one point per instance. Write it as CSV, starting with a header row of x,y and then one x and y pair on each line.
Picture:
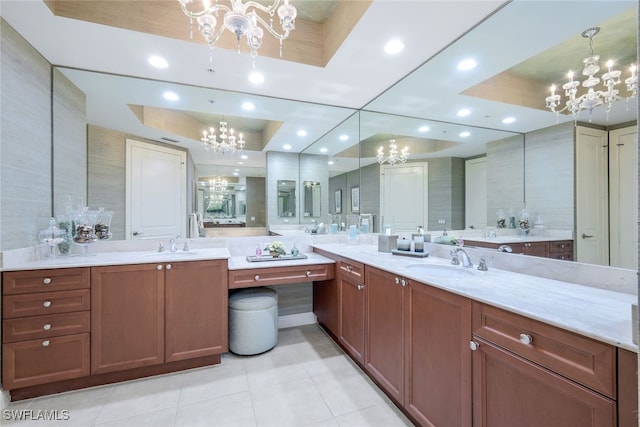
x,y
403,196
155,191
592,217
475,194
623,197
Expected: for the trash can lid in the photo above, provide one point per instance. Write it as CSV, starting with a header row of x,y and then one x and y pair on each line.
x,y
253,299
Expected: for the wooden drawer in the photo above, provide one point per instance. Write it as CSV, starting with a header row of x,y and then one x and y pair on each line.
x,y
561,246
45,303
567,256
29,328
30,281
279,275
351,269
33,362
586,361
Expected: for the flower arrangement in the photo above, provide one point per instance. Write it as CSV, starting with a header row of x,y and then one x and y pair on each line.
x,y
275,248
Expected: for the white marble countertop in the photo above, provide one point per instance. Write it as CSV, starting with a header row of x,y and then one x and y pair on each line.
x,y
241,263
120,258
600,314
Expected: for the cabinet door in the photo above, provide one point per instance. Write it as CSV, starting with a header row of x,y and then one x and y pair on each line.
x,y
511,391
536,249
196,309
326,304
438,359
351,334
384,354
127,317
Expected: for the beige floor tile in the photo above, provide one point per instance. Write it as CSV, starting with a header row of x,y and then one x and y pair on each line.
x,y
376,416
346,390
211,382
275,368
161,418
234,410
295,403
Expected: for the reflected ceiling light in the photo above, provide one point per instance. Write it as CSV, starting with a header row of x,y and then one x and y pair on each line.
x,y
244,157
423,129
256,77
592,98
170,96
224,143
248,106
508,120
467,64
464,112
344,137
464,134
324,150
158,61
394,156
236,170
393,47
302,133
235,174
242,20
241,163
287,146
330,162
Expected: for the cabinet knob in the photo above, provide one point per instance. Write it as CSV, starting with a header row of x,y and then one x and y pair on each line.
x,y
403,282
47,280
349,268
47,326
397,280
308,274
526,339
257,277
47,304
46,343
474,345
159,267
360,287
168,266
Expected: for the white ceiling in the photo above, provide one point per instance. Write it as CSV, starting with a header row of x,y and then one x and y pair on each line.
x,y
318,99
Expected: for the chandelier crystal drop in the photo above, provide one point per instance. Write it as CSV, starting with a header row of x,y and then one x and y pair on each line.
x,y
242,19
592,98
225,142
395,156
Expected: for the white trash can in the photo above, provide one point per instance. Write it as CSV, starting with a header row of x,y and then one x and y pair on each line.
x,y
253,321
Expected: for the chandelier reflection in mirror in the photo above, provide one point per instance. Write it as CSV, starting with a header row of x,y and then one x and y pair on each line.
x,y
242,19
395,156
218,194
593,98
223,142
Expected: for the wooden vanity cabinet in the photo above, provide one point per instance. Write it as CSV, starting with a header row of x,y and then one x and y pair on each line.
x,y
45,328
352,308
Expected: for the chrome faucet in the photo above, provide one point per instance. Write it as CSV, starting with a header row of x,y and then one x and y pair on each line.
x,y
466,261
173,247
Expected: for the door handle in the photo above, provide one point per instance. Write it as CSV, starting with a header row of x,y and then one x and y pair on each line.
x,y
135,233
586,236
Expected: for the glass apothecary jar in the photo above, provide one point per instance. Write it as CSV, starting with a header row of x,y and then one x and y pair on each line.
x,y
51,236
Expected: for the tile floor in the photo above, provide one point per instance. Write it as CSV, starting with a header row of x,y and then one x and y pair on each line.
x,y
306,380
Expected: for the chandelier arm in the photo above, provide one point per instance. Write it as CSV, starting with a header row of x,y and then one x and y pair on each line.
x,y
218,34
268,9
271,30
211,9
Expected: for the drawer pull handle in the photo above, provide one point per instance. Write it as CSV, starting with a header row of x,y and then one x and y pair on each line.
x,y
257,277
349,268
308,274
168,266
46,343
159,267
47,304
526,339
360,287
47,326
473,345
47,280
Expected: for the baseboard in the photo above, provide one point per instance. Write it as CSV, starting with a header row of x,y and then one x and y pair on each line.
x,y
298,319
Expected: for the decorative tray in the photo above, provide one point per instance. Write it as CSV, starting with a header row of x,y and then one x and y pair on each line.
x,y
410,253
285,257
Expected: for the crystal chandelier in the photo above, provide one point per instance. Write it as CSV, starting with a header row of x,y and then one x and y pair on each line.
x,y
242,20
592,98
394,155
218,185
223,143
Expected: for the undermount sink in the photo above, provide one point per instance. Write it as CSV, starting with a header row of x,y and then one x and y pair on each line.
x,y
442,270
172,254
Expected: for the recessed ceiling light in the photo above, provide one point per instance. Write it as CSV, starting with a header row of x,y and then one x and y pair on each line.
x,y
287,146
508,120
464,134
241,163
302,132
248,106
464,112
330,162
344,137
158,61
423,129
324,150
237,170
244,157
235,174
467,64
171,96
256,78
393,47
